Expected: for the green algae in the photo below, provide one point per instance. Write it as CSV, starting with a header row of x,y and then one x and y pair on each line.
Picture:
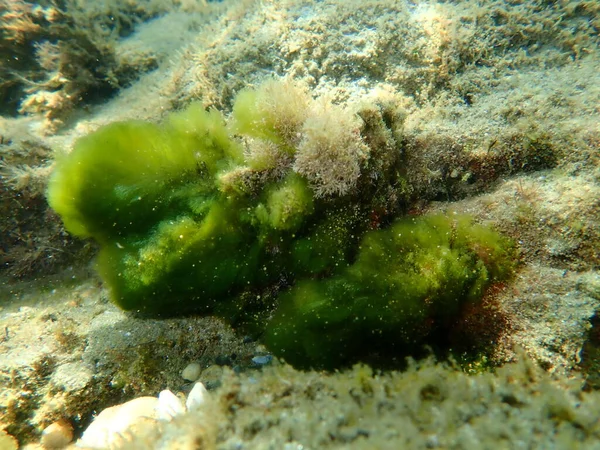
x,y
408,281
186,226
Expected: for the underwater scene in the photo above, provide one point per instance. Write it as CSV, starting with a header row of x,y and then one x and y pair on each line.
x,y
295,224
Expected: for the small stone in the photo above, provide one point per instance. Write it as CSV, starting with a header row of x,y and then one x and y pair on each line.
x,y
223,360
191,372
262,360
57,435
211,377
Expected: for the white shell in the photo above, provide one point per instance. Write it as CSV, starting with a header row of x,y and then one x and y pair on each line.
x,y
57,435
107,428
197,396
168,406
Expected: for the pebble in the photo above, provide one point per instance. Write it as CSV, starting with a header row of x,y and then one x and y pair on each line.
x,y
223,360
57,435
191,372
211,376
262,360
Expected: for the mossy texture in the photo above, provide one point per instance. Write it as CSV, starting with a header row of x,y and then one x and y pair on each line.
x,y
187,224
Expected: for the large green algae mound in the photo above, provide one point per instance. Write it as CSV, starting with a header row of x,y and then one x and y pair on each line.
x,y
287,217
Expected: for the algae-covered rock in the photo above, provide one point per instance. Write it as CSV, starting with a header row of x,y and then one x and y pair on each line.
x,y
187,222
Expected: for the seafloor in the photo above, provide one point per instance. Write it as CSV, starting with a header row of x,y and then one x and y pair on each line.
x,y
504,91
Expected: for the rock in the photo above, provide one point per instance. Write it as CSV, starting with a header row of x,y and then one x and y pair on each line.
x,y
191,372
211,376
223,360
72,377
57,435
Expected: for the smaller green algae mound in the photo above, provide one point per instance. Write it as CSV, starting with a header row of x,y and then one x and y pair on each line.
x,y
408,282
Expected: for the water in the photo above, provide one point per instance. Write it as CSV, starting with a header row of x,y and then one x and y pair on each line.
x,y
331,122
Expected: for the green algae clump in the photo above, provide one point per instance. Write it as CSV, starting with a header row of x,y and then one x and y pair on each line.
x,y
173,239
189,219
148,195
124,177
409,282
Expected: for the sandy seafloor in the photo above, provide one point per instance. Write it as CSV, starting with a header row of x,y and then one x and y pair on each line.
x,y
470,75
